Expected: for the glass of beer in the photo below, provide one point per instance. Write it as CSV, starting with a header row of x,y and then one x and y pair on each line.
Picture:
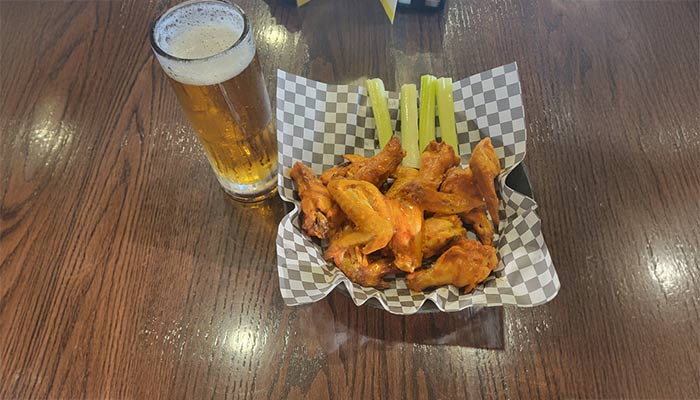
x,y
207,50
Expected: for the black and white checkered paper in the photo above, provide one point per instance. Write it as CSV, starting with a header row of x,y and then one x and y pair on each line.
x,y
317,123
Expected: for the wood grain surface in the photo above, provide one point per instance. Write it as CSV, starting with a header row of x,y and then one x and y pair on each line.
x,y
126,273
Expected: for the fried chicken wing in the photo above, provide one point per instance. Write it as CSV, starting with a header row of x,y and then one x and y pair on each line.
x,y
320,214
402,176
429,199
439,232
423,188
367,208
346,238
374,169
465,264
406,245
344,170
480,222
378,168
338,171
436,159
485,166
348,257
461,182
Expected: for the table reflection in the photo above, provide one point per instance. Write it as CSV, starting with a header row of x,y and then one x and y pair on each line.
x,y
336,320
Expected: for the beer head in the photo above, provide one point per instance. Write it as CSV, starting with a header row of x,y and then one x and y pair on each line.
x,y
203,43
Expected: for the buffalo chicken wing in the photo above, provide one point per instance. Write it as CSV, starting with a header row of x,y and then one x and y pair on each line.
x,y
367,208
461,182
465,264
485,165
439,232
320,214
374,170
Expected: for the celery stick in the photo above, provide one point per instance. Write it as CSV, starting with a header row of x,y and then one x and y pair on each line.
x,y
409,125
379,102
427,111
446,112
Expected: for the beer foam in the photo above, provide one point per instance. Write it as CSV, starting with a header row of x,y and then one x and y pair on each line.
x,y
197,38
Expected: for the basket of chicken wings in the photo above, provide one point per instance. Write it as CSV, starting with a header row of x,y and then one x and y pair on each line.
x,y
406,215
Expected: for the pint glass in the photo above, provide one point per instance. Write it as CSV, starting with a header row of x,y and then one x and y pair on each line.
x,y
207,50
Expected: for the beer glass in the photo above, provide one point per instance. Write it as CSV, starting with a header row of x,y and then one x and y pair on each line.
x,y
207,50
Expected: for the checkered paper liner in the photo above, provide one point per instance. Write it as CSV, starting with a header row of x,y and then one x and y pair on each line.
x,y
317,123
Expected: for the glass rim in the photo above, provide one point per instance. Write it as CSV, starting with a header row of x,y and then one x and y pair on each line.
x,y
156,48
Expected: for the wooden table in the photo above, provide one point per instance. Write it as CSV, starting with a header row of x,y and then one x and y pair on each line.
x,y
126,273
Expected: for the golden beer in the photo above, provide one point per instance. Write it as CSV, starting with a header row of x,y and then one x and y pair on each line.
x,y
207,50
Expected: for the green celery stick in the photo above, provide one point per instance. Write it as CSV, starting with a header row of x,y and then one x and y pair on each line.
x,y
446,112
427,111
380,108
409,125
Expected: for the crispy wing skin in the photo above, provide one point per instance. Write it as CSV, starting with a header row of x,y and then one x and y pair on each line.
x,y
439,232
402,176
485,165
406,245
344,170
374,169
461,182
320,214
436,159
356,265
464,265
367,208
333,172
347,238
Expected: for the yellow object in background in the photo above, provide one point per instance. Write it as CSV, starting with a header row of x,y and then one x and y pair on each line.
x,y
389,7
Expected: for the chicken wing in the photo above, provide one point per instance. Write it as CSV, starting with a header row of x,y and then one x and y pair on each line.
x,y
336,171
408,223
320,214
439,232
406,245
464,265
374,169
367,208
436,159
485,165
429,199
461,182
346,254
480,222
423,188
346,169
402,176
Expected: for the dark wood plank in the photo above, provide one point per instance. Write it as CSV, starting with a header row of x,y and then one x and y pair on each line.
x,y
126,273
